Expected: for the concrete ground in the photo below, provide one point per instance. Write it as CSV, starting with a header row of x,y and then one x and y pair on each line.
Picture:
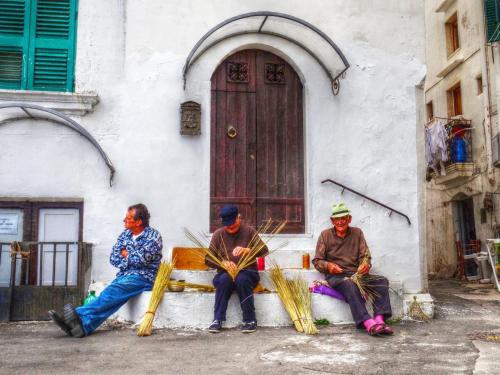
x,y
460,340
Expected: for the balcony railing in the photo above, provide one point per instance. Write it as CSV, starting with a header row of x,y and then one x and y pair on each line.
x,y
459,148
43,263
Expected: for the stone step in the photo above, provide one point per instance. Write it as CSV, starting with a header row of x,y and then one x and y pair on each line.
x,y
206,277
193,309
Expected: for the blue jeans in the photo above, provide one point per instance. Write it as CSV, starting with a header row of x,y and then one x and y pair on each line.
x,y
114,296
245,282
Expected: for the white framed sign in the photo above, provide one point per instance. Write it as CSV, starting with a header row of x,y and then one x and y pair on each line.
x,y
9,223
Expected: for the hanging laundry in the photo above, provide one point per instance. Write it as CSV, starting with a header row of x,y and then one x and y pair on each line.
x,y
436,149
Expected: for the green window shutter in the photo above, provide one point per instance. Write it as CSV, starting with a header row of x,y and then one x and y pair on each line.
x,y
52,48
492,20
14,43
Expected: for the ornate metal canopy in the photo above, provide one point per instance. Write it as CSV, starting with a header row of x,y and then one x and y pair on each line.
x,y
46,114
284,26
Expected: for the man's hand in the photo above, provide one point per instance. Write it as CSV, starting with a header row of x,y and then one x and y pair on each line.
x,y
124,253
238,250
334,268
230,266
363,268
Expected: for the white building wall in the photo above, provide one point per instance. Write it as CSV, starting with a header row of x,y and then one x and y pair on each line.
x,y
131,53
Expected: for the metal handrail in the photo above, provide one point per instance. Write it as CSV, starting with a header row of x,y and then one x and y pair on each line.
x,y
368,198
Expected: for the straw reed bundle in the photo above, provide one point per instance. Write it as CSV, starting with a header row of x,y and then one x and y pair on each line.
x,y
256,244
295,296
366,282
415,311
161,282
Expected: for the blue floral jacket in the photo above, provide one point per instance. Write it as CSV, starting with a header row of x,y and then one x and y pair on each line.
x,y
144,254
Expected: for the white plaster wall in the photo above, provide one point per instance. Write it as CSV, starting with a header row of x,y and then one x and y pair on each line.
x,y
132,53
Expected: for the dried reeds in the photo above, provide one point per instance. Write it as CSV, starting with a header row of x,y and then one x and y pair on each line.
x,y
295,296
161,283
219,256
415,311
366,282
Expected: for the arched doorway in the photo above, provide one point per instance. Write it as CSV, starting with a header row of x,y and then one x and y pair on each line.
x,y
257,151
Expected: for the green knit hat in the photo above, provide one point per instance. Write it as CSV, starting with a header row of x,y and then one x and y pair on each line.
x,y
340,210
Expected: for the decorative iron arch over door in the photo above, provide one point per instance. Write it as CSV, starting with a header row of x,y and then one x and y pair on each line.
x,y
257,152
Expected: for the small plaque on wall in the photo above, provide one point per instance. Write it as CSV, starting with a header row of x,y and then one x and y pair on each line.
x,y
8,223
190,118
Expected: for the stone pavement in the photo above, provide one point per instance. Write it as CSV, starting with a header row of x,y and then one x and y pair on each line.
x,y
461,340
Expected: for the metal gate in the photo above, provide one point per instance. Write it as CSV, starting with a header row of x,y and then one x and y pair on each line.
x,y
38,276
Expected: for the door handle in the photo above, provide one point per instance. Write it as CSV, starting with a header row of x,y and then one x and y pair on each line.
x,y
231,132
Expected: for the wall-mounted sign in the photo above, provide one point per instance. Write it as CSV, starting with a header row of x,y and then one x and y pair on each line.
x,y
190,118
8,223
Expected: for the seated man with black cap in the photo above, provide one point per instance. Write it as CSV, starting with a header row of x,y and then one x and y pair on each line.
x,y
234,237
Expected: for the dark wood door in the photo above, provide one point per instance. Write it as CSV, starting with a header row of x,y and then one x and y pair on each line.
x,y
257,140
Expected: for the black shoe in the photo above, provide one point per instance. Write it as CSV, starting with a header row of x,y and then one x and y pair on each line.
x,y
215,327
249,327
60,322
72,319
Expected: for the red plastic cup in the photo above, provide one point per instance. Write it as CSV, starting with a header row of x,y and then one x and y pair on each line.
x,y
261,264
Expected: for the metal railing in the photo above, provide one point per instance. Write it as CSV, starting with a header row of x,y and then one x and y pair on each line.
x,y
367,198
459,142
42,263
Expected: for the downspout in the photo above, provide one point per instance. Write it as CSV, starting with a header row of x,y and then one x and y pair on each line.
x,y
487,106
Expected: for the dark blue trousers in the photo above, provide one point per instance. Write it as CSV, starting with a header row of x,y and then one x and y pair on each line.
x,y
114,296
381,305
245,282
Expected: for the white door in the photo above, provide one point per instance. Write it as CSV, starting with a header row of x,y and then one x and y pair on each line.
x,y
58,225
11,229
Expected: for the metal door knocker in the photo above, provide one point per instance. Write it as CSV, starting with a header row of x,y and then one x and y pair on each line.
x,y
232,132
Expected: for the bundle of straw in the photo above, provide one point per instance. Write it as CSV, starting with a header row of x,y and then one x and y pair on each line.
x,y
295,296
161,282
415,311
366,282
256,244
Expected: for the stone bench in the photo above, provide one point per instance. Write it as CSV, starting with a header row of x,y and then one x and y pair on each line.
x,y
193,309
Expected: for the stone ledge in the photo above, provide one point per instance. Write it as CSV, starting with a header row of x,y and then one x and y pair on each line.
x,y
192,309
195,310
73,104
456,172
444,5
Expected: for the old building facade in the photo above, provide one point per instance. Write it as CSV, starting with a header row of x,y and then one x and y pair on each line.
x,y
187,105
461,92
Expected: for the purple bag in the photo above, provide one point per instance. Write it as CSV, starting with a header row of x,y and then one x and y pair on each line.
x,y
327,291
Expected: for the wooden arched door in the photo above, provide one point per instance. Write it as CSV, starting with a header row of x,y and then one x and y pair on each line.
x,y
257,151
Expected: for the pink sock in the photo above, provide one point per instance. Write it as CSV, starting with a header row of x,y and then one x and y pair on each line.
x,y
379,319
368,323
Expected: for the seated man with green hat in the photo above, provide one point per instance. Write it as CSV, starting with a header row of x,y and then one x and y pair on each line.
x,y
341,252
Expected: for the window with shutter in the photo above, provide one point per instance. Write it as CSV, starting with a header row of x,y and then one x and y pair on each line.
x,y
37,44
492,20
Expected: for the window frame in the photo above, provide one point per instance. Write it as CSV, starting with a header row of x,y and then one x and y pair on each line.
x,y
429,110
452,35
454,100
